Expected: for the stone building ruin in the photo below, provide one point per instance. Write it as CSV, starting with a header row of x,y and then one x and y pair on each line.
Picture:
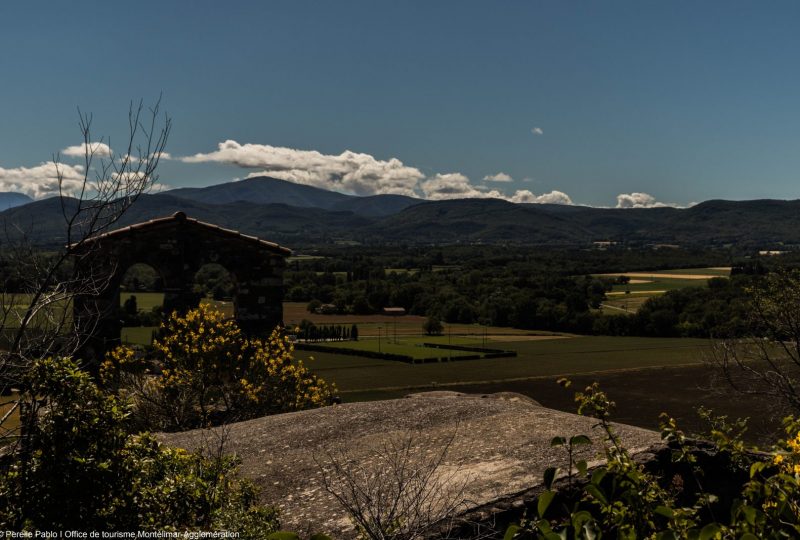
x,y
177,247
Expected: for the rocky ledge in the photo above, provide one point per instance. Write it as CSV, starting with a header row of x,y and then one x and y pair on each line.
x,y
497,446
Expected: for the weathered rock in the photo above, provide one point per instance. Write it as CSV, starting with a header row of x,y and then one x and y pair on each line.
x,y
500,448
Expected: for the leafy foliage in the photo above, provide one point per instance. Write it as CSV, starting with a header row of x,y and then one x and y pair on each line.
x,y
623,499
208,371
79,467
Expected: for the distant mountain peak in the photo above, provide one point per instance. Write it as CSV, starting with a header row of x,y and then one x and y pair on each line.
x,y
10,199
268,190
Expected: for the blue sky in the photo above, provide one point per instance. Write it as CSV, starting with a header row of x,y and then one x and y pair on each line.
x,y
684,101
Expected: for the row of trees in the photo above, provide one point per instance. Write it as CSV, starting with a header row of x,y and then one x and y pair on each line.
x,y
308,331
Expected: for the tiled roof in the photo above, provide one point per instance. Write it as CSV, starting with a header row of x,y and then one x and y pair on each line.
x,y
180,217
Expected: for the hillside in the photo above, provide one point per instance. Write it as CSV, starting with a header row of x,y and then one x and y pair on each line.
x,y
266,190
300,215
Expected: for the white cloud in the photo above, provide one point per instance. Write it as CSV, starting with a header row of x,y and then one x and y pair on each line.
x,y
554,197
158,187
351,172
361,174
42,180
454,186
458,186
97,149
499,177
640,200
537,131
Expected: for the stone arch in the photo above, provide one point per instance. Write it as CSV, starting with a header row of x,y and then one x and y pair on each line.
x,y
177,247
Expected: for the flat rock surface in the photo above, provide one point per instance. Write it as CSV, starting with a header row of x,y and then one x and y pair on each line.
x,y
499,445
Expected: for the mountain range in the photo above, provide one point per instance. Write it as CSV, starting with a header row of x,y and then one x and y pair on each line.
x,y
300,216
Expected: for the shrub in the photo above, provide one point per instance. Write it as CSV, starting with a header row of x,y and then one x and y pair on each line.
x,y
79,467
757,494
433,327
210,372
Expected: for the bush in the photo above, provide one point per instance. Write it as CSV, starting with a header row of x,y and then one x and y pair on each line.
x,y
79,467
208,371
754,494
433,327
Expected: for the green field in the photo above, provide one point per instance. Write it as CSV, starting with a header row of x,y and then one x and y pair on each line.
x,y
535,359
145,301
629,297
138,335
413,346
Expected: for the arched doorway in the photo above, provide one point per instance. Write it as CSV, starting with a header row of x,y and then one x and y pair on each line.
x,y
141,296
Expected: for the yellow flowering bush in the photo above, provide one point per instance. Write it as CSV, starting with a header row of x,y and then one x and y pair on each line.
x,y
208,367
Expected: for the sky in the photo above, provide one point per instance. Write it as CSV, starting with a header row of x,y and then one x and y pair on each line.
x,y
612,103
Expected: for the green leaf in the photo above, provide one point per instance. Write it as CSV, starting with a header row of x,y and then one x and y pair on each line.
x,y
580,518
550,476
596,493
590,530
544,502
749,514
579,440
665,511
598,475
709,531
511,532
558,441
748,536
582,467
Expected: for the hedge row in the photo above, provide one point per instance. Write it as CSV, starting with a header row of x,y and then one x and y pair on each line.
x,y
493,353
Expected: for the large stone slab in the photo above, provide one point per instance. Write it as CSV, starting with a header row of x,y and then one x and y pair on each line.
x,y
499,446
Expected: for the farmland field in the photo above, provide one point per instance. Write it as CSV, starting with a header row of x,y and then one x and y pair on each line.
x,y
541,358
644,376
414,346
644,285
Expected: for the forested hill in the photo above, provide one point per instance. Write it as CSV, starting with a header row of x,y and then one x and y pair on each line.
x,y
302,215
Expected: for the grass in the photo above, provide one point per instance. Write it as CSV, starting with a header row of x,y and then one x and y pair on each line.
x,y
138,335
412,346
535,359
145,301
644,376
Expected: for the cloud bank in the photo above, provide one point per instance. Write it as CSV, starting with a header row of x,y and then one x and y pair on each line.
x,y
41,180
641,200
361,174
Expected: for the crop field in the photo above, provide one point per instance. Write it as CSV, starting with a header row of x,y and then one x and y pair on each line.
x,y
414,346
644,376
540,358
644,285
